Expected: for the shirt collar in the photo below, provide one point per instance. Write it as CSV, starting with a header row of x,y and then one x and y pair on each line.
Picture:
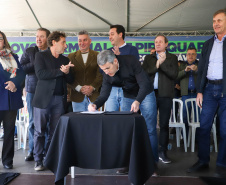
x,y
216,39
123,45
157,55
190,64
42,50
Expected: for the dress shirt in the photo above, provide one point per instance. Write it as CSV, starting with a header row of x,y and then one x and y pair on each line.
x,y
191,82
156,79
215,68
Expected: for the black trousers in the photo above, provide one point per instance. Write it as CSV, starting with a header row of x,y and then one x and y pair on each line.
x,y
9,118
164,105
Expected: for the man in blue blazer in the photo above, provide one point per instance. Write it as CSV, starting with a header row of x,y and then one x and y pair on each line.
x,y
211,89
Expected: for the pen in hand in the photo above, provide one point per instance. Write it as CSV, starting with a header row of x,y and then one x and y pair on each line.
x,y
92,107
88,100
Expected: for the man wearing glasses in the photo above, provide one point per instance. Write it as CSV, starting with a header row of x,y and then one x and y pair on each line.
x,y
188,75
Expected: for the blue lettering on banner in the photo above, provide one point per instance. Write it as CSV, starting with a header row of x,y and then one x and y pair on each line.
x,y
98,47
139,46
200,45
15,47
179,46
172,47
66,50
191,45
91,46
32,45
73,48
105,46
24,48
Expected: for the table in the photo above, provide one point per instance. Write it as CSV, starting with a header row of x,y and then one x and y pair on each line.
x,y
101,141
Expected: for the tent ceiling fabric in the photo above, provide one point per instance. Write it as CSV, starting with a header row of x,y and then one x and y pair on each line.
x,y
189,15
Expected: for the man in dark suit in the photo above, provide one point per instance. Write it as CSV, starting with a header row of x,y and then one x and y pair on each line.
x,y
125,71
211,94
53,72
163,68
27,62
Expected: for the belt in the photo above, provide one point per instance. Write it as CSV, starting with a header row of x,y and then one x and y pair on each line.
x,y
192,91
216,82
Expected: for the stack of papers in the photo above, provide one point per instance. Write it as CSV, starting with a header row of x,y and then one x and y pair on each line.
x,y
95,112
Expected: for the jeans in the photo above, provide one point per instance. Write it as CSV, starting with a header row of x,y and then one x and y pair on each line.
x,y
115,99
43,118
212,98
185,119
81,106
149,111
29,99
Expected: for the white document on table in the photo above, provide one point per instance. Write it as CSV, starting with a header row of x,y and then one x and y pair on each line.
x,y
95,112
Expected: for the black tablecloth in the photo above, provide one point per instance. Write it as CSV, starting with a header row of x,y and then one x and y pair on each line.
x,y
101,141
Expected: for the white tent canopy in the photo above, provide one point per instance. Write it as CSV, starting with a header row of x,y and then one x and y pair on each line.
x,y
97,15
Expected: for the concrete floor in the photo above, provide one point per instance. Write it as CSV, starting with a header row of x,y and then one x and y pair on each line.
x,y
180,162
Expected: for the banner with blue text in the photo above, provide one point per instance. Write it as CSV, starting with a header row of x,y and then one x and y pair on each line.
x,y
178,45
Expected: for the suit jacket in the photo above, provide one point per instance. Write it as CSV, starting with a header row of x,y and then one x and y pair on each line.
x,y
11,100
131,77
167,71
204,62
47,74
85,74
27,62
184,77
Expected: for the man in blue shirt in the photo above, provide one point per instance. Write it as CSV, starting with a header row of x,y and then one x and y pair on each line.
x,y
116,37
211,94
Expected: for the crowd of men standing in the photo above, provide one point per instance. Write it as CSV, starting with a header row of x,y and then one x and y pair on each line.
x,y
115,76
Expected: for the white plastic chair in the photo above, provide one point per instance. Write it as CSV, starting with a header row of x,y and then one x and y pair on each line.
x,y
178,124
22,124
193,122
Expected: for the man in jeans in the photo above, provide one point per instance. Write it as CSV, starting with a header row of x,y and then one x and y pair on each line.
x,y
126,72
211,94
27,62
188,76
116,37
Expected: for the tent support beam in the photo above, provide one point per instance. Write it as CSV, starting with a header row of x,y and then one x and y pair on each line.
x,y
160,15
99,17
128,16
33,14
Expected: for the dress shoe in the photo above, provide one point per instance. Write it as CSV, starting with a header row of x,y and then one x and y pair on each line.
x,y
220,172
198,166
123,171
29,157
155,174
8,166
39,166
164,158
